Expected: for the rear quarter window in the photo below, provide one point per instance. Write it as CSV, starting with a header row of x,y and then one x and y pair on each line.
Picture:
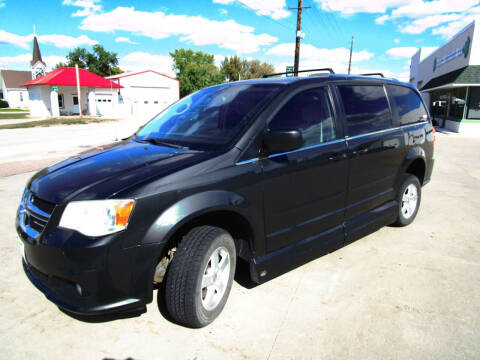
x,y
366,108
407,106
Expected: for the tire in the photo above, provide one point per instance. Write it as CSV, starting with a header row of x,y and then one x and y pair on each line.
x,y
408,198
197,262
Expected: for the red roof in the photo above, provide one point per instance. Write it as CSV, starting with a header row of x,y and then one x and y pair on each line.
x,y
66,76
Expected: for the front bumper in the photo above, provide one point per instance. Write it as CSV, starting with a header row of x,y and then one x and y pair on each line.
x,y
89,276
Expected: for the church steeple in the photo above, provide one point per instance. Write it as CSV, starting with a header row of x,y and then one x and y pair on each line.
x,y
38,66
36,57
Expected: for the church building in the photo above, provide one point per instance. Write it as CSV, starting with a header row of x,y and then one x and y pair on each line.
x,y
55,93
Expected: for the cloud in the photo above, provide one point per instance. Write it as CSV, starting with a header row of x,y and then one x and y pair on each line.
x,y
88,7
139,61
195,29
312,57
65,41
276,9
402,52
396,41
57,40
16,40
381,20
418,26
127,40
417,9
449,30
23,61
350,7
2,3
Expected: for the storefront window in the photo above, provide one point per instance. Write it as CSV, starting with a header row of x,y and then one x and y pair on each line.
x,y
474,103
449,103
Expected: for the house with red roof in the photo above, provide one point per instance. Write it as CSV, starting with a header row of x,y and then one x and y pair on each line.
x,y
145,93
55,94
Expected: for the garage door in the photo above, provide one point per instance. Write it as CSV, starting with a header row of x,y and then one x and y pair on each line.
x,y
104,104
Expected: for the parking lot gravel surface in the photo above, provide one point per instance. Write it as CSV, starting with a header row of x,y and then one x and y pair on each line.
x,y
400,293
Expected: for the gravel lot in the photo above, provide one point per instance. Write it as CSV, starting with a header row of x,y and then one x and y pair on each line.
x,y
409,293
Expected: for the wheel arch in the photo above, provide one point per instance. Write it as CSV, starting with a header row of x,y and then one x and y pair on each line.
x,y
415,164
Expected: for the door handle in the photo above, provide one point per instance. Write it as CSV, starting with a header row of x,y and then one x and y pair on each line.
x,y
337,157
360,152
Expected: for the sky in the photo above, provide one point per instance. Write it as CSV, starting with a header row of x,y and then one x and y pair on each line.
x,y
143,33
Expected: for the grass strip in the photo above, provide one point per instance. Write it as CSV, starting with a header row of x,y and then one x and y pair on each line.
x,y
54,122
13,110
11,115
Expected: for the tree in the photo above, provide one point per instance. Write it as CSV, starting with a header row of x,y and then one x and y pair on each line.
x,y
256,69
235,69
100,61
195,70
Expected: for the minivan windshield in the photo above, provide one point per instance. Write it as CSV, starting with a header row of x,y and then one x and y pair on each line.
x,y
210,119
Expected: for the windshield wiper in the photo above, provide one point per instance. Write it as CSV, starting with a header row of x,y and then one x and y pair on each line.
x,y
164,143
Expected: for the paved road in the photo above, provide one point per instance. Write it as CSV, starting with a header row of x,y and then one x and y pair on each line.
x,y
410,293
31,149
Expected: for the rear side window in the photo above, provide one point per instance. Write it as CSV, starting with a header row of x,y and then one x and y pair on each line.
x,y
309,112
366,108
407,105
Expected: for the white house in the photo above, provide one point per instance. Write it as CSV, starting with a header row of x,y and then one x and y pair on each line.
x,y
145,93
11,88
449,79
55,94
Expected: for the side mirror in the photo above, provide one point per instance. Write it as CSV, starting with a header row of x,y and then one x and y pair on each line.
x,y
282,141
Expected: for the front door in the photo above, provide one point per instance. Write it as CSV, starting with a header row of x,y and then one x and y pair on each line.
x,y
305,189
75,109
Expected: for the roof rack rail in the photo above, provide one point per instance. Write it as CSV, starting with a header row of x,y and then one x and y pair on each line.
x,y
373,74
300,71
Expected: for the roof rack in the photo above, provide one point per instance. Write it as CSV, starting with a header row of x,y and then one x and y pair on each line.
x,y
300,71
373,74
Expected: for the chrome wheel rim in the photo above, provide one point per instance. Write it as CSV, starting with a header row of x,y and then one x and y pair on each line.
x,y
215,278
409,201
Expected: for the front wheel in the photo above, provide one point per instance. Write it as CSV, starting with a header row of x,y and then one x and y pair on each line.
x,y
200,276
408,197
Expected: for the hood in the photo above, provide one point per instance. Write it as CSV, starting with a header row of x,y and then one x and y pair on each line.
x,y
82,173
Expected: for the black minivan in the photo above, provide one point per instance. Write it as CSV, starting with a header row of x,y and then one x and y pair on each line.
x,y
275,171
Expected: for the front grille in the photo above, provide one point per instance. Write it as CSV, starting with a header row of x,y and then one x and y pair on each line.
x,y
34,214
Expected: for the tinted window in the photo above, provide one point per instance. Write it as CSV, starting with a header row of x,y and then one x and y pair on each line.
x,y
366,108
209,119
309,112
406,104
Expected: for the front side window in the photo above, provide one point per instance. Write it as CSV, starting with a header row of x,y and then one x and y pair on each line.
x,y
309,112
210,119
366,108
407,105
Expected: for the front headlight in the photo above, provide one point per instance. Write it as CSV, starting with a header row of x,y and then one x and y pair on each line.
x,y
97,217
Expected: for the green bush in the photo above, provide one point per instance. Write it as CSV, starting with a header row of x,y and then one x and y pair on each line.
x,y
3,104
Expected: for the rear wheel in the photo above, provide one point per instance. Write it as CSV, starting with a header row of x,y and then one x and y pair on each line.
x,y
200,276
408,197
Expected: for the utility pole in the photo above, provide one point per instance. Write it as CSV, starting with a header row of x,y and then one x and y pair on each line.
x,y
299,34
350,61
